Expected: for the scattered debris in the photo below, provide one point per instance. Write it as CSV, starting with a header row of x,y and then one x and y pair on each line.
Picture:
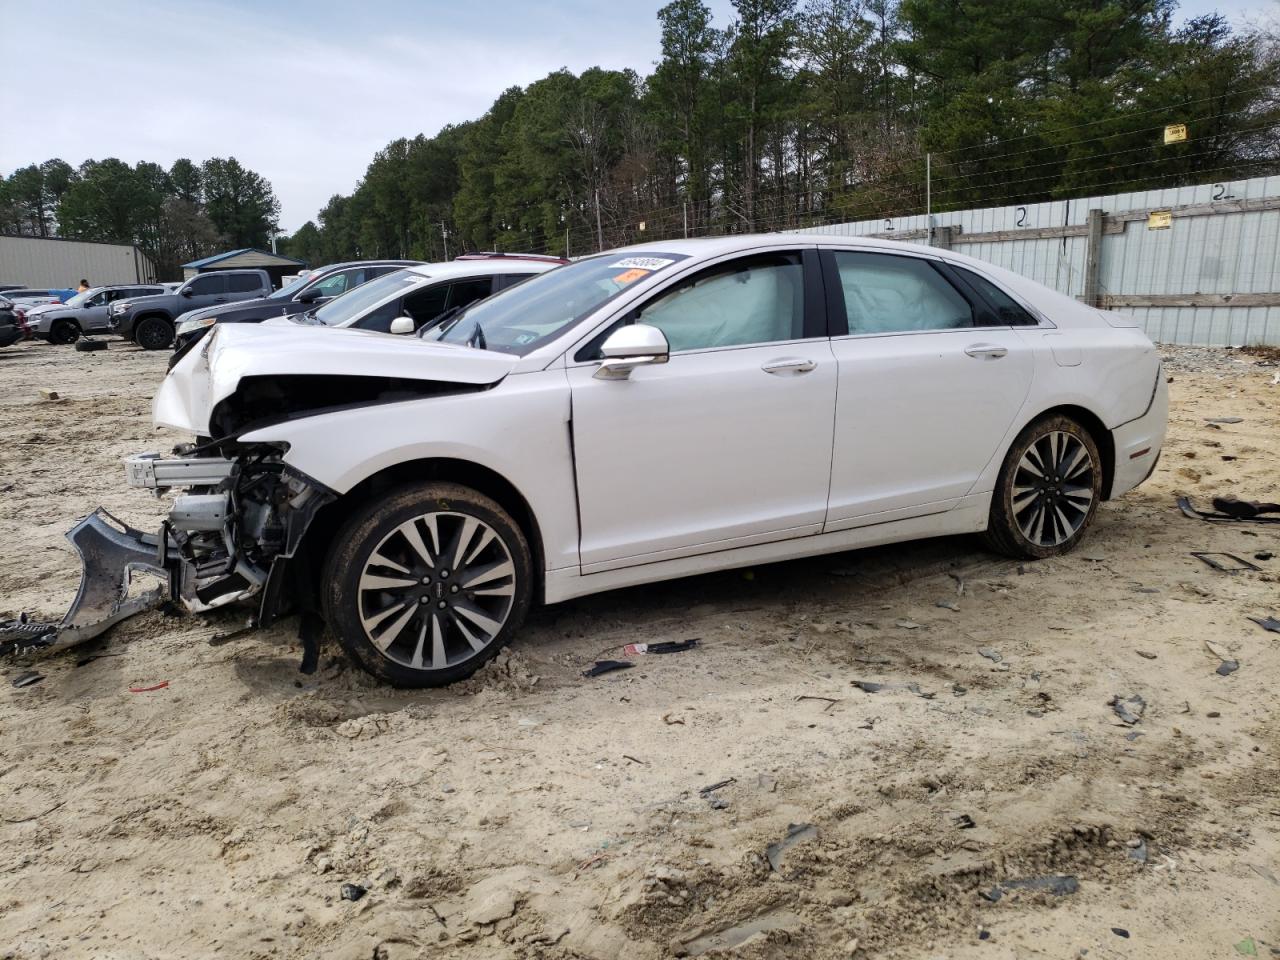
x,y
1218,650
906,624
831,701
1267,623
796,833
874,659
1264,555
1243,509
1137,850
353,891
992,655
716,786
948,605
607,666
158,686
27,679
1264,873
627,756
1224,420
1120,932
671,719
669,646
1129,710
1225,562
1059,886
1247,947
1213,714
1145,654
89,345
866,686
1188,509
1227,667
47,394
963,821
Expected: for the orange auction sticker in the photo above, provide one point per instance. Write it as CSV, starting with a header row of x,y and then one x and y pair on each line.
x,y
630,276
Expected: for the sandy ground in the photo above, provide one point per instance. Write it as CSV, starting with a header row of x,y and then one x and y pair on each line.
x,y
537,814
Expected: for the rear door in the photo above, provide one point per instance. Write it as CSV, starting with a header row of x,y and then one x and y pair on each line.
x,y
931,379
244,286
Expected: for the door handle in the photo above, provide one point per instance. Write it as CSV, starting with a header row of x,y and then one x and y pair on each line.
x,y
989,350
788,365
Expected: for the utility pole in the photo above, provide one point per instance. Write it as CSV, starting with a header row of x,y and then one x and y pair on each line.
x,y
444,236
599,228
686,219
928,195
566,243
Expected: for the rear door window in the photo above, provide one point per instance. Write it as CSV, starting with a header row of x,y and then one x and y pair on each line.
x,y
886,293
244,283
1005,310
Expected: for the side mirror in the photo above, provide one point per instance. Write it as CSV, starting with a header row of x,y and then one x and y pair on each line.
x,y
185,291
635,345
309,296
403,325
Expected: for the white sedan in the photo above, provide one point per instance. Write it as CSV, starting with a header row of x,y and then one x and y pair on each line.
x,y
647,413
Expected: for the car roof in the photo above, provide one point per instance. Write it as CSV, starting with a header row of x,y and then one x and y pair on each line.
x,y
358,263
711,246
483,268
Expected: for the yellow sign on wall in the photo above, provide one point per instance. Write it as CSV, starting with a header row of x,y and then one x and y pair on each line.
x,y
1175,133
1159,219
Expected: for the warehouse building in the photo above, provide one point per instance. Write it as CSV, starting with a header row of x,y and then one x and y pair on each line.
x,y
275,265
44,262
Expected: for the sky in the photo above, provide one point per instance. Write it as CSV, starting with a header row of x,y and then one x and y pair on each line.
x,y
303,93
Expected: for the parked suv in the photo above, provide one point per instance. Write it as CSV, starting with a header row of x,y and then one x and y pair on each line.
x,y
84,313
311,291
150,321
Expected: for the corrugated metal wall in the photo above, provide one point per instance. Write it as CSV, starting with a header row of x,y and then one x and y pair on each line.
x,y
37,262
1223,239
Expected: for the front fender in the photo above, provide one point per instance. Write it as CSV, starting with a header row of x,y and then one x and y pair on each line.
x,y
519,430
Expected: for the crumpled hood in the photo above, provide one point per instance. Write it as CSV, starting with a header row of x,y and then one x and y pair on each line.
x,y
212,371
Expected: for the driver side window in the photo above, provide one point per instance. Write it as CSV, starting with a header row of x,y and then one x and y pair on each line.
x,y
756,299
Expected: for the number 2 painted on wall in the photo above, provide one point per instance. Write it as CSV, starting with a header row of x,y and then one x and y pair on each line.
x,y
1022,217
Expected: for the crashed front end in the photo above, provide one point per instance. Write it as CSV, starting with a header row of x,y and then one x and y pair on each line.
x,y
230,535
241,517
240,512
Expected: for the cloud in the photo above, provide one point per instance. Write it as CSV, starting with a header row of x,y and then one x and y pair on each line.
x,y
303,94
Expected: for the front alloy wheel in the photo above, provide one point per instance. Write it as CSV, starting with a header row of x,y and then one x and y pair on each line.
x,y
1048,490
425,587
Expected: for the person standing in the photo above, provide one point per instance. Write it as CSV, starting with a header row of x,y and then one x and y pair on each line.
x,y
84,285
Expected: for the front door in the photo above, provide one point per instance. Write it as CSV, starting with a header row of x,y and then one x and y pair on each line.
x,y
726,444
206,291
930,384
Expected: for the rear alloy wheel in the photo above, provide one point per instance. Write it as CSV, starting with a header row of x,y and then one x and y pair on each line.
x,y
64,331
1047,492
426,586
153,333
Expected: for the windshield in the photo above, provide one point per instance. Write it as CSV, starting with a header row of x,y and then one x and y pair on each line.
x,y
359,299
523,317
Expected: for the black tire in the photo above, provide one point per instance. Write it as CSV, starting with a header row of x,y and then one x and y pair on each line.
x,y
153,333
422,607
89,346
64,331
1035,515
